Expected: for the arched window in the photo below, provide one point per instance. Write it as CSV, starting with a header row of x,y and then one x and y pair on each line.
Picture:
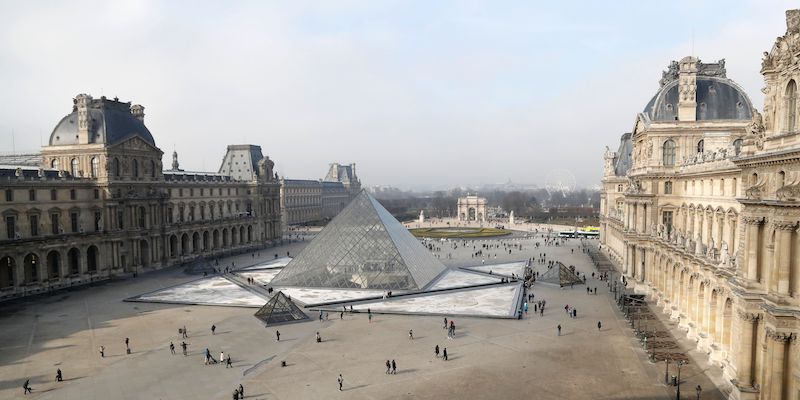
x,y
737,146
55,164
95,166
135,168
73,167
152,169
791,105
781,179
669,153
700,146
117,171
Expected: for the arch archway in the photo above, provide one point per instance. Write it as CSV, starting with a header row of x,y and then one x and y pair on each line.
x,y
727,325
92,258
205,241
173,246
250,234
234,236
216,239
242,237
74,261
225,237
195,242
30,268
184,244
53,265
144,252
8,269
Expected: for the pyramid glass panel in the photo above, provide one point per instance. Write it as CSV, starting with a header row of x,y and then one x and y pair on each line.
x,y
280,310
363,247
560,275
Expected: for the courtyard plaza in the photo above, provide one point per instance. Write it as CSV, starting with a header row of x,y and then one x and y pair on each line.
x,y
488,358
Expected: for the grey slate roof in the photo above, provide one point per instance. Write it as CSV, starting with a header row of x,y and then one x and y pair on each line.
x,y
717,99
112,123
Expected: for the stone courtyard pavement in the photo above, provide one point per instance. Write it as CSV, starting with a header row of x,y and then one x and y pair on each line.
x,y
489,358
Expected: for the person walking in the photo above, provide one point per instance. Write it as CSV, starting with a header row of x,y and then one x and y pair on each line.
x,y
213,329
411,334
599,325
228,362
369,316
436,351
235,394
341,314
241,391
221,356
172,348
444,354
102,351
340,380
445,323
559,329
394,367
277,336
184,332
26,388
59,377
183,347
127,345
388,367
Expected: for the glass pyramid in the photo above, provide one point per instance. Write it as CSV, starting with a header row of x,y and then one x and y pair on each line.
x,y
280,310
560,276
362,247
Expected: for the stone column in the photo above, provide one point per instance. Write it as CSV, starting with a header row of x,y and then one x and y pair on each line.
x,y
778,376
745,355
707,308
782,254
751,247
19,271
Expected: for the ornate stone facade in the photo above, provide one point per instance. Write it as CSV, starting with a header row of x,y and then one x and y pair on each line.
x,y
472,208
307,201
99,205
701,210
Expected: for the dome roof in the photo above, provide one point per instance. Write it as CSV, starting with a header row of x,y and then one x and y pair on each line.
x,y
717,97
112,122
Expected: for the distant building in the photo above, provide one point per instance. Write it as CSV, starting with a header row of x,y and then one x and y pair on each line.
x,y
309,201
472,208
98,203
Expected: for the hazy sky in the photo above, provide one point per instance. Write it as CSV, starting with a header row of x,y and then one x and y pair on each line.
x,y
417,93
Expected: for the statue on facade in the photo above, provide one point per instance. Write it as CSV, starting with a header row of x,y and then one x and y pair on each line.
x,y
723,253
711,251
608,162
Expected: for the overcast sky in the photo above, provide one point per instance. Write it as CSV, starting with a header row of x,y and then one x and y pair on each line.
x,y
418,94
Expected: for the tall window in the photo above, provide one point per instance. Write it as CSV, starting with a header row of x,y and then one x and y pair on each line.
x,y
11,227
34,223
791,105
74,222
667,187
9,195
73,167
666,219
135,168
32,195
737,146
95,166
669,153
152,169
53,194
55,164
117,170
97,216
142,217
54,225
700,146
781,179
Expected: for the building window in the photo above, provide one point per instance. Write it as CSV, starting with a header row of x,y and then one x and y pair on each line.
x,y
97,193
142,217
55,164
73,219
152,169
667,187
73,167
170,217
701,146
722,187
191,213
95,166
733,187
202,212
53,194
202,191
666,219
54,225
97,216
668,153
737,146
180,192
135,168
120,219
791,105
191,192
9,195
34,223
32,195
117,170
781,179
229,191
181,214
72,194
11,227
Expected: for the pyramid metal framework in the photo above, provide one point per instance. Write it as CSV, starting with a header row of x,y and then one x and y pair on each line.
x,y
560,276
363,247
280,310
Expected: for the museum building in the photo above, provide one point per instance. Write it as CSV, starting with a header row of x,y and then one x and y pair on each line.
x,y
700,210
96,203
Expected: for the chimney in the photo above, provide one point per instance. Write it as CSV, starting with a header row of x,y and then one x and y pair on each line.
x,y
137,110
353,169
82,102
687,89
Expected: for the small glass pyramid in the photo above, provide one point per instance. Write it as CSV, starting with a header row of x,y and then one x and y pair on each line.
x,y
363,247
560,275
280,310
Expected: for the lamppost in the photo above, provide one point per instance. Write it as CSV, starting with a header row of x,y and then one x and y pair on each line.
x,y
666,371
699,390
678,383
